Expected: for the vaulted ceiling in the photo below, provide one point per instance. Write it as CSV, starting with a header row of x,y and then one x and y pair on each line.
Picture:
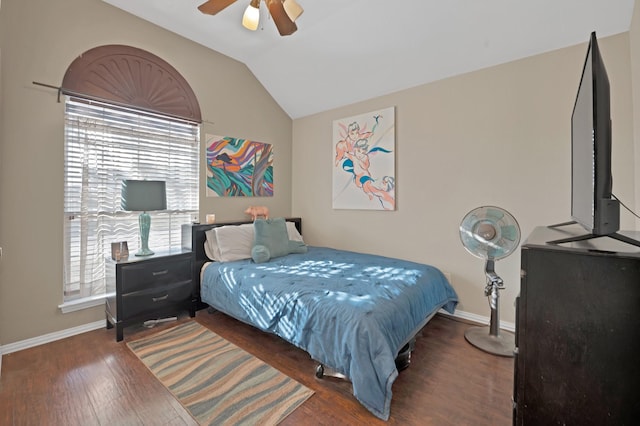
x,y
347,51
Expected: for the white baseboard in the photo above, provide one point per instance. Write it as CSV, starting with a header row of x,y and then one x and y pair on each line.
x,y
508,326
51,337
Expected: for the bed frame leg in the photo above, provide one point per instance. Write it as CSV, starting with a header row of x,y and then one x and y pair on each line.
x,y
320,371
404,356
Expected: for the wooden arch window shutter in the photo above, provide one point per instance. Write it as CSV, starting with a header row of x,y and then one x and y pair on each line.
x,y
131,77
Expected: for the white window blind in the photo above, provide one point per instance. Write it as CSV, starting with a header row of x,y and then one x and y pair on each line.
x,y
103,146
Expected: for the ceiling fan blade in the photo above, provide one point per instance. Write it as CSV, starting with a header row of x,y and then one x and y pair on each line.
x,y
285,25
212,7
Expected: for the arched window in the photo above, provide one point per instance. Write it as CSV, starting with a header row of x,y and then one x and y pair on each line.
x,y
128,115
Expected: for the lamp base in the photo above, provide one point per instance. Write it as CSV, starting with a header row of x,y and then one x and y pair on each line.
x,y
145,224
144,252
502,344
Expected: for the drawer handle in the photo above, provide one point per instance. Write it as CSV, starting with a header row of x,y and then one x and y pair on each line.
x,y
163,272
158,299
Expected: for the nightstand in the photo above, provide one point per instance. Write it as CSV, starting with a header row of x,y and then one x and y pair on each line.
x,y
149,287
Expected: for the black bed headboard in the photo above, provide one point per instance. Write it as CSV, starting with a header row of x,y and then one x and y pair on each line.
x,y
193,238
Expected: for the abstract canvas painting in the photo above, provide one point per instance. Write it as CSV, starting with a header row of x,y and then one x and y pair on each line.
x,y
364,161
238,167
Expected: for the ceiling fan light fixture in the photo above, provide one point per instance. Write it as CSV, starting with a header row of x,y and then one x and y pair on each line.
x,y
251,17
283,18
293,9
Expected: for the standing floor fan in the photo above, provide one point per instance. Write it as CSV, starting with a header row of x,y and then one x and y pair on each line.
x,y
490,233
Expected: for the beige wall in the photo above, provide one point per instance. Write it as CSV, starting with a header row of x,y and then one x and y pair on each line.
x,y
499,136
1,214
634,43
40,39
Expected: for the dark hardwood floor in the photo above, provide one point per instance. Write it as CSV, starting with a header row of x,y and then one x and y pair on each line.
x,y
90,379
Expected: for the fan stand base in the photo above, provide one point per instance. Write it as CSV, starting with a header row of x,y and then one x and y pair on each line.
x,y
502,344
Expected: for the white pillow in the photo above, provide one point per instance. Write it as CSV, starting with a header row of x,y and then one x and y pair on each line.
x,y
294,235
234,242
211,245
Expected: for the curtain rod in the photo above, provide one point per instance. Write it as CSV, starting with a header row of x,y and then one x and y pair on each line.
x,y
58,88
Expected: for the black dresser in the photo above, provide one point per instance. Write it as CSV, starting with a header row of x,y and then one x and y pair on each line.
x,y
578,331
149,287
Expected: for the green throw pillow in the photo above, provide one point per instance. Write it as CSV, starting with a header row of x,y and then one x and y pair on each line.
x,y
272,240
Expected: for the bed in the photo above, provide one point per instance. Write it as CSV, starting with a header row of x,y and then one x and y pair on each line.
x,y
351,312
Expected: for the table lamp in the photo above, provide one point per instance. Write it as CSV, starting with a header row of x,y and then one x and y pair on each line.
x,y
144,196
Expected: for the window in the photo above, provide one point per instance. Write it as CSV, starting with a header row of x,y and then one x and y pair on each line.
x,y
104,145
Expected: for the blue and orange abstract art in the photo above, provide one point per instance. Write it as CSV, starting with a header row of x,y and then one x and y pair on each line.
x,y
238,167
364,162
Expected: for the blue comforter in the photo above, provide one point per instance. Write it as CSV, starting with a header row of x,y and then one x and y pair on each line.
x,y
350,311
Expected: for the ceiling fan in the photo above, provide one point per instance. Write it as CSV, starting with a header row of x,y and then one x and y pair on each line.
x,y
283,12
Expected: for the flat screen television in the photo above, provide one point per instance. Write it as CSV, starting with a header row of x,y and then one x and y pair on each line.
x,y
592,205
592,202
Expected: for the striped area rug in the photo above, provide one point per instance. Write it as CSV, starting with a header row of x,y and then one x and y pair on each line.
x,y
217,382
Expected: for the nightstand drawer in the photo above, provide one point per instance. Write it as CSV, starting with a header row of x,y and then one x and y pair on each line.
x,y
156,298
148,275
